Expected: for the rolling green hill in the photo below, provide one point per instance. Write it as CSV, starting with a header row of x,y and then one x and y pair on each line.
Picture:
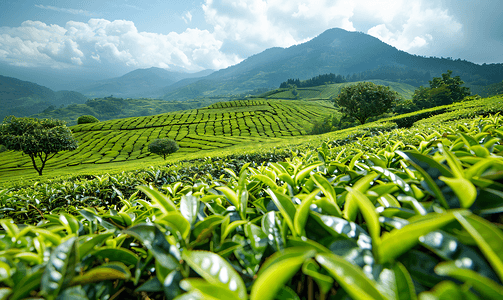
x,y
332,90
109,108
24,98
218,126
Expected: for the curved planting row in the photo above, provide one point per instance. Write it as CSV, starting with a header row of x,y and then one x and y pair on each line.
x,y
194,130
417,220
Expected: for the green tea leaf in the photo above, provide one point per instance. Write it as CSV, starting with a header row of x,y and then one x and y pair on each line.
x,y
371,218
328,190
271,225
27,284
60,268
216,271
488,237
323,281
155,241
485,286
398,241
285,206
277,270
163,202
122,255
230,195
299,221
350,277
188,208
110,271
200,289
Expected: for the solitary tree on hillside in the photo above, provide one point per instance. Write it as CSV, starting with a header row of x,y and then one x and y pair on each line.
x,y
41,139
442,91
163,147
365,100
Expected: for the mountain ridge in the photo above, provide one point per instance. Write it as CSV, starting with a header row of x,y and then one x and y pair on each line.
x,y
334,51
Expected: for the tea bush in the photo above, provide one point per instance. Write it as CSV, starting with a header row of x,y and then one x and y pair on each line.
x,y
401,214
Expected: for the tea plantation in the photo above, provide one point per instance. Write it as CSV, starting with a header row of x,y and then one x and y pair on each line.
x,y
216,127
404,208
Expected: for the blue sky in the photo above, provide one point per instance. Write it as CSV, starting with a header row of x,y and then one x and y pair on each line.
x,y
212,34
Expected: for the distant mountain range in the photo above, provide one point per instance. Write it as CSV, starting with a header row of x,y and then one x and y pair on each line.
x,y
145,83
354,55
23,98
334,51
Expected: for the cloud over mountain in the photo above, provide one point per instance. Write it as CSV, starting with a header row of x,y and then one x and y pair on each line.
x,y
234,31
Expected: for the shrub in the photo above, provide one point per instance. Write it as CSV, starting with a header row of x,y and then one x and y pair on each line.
x,y
87,119
163,147
365,100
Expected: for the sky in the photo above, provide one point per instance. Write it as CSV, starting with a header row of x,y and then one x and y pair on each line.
x,y
192,35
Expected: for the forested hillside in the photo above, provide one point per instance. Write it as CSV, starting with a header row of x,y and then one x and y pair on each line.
x,y
23,98
355,55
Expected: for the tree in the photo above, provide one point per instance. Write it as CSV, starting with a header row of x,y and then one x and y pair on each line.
x,y
163,147
442,91
41,139
84,119
365,100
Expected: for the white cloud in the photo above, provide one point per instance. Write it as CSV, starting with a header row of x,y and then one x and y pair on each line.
x,y
187,18
412,26
110,43
260,24
66,10
238,28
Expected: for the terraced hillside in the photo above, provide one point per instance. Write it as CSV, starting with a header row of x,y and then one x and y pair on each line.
x,y
332,90
220,125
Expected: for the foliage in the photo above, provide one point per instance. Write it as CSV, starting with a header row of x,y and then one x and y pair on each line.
x,y
365,100
87,119
443,90
41,140
315,81
385,219
163,147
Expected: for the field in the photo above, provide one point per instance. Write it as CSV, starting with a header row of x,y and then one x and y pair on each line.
x,y
332,90
123,142
408,207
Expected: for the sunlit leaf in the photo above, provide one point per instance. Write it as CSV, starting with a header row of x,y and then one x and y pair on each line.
x,y
485,286
488,237
216,271
60,268
277,270
350,277
111,271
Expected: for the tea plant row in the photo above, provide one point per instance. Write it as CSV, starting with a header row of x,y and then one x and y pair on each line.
x,y
403,214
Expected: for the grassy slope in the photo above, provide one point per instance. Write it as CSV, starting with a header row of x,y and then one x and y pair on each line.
x,y
121,144
127,108
332,90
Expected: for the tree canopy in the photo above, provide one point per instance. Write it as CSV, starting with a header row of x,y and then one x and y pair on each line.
x,y
163,147
442,91
41,139
365,100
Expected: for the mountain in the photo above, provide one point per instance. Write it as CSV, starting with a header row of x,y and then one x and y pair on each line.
x,y
138,83
334,51
24,98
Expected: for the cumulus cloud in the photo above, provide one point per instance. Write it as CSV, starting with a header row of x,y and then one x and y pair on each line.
x,y
104,42
412,26
259,24
237,29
